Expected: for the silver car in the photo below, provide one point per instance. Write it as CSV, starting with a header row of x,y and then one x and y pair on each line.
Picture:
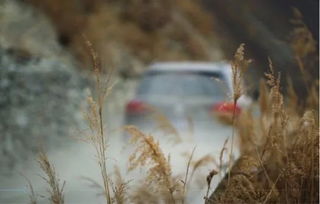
x,y
186,94
183,99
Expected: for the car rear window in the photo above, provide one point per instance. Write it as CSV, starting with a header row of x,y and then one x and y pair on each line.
x,y
202,84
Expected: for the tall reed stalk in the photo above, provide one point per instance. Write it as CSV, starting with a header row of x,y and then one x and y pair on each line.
x,y
94,116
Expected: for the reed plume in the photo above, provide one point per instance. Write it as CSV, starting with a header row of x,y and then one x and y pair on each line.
x,y
55,189
94,117
148,152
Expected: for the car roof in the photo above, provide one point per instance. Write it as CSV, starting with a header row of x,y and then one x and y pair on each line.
x,y
221,67
190,66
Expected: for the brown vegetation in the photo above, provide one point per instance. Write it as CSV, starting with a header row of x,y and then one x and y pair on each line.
x,y
280,152
279,162
94,116
159,180
131,33
55,189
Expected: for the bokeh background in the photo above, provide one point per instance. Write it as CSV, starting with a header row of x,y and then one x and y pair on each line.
x,y
45,65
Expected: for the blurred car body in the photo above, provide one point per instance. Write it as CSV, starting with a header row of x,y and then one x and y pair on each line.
x,y
187,96
183,92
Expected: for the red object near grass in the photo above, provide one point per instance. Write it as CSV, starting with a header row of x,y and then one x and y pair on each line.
x,y
136,107
226,107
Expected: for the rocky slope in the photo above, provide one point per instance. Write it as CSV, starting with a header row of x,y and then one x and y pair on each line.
x,y
41,91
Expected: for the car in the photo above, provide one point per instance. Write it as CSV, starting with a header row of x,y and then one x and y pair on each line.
x,y
187,97
182,91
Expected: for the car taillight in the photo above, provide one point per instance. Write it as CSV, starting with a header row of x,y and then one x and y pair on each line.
x,y
226,107
136,106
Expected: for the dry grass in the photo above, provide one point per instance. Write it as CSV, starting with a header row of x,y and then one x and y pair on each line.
x,y
279,148
94,116
210,176
239,66
280,152
279,160
164,125
120,189
32,194
55,189
302,41
148,153
185,181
